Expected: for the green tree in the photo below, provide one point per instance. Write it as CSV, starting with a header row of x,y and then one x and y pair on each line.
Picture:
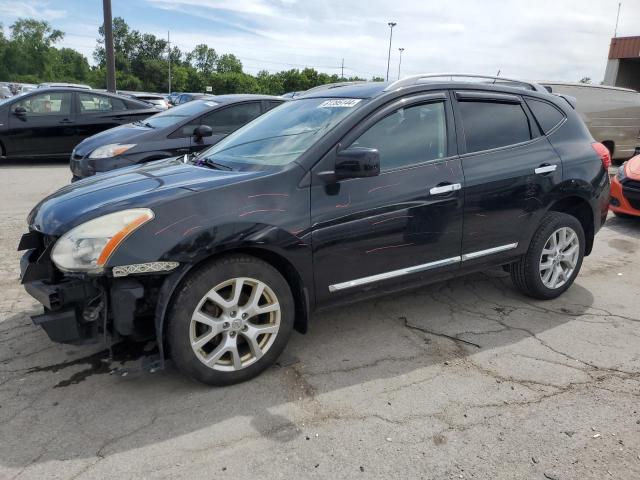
x,y
229,63
203,58
69,65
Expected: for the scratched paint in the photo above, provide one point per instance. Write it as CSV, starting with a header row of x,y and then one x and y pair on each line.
x,y
268,195
387,247
375,189
345,205
262,210
189,230
164,229
399,217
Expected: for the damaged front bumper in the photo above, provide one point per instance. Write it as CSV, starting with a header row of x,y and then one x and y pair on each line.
x,y
81,309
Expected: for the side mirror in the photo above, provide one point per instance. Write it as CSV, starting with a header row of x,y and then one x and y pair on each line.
x,y
357,163
20,112
202,131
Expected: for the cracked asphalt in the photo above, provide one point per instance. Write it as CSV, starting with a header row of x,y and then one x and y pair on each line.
x,y
463,379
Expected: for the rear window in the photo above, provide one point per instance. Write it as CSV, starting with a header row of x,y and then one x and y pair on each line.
x,y
490,125
547,115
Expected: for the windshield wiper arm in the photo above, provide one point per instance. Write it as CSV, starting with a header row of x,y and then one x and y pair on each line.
x,y
213,164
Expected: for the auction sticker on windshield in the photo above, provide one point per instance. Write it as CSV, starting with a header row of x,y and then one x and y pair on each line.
x,y
340,103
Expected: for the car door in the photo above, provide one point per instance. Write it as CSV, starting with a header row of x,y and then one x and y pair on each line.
x,y
402,224
225,120
46,126
510,171
97,113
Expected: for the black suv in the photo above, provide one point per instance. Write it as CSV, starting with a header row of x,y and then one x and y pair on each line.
x,y
340,194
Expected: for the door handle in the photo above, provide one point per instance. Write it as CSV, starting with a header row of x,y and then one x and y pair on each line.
x,y
66,120
542,169
440,189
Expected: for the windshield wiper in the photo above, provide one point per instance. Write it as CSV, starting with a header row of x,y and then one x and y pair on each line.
x,y
210,163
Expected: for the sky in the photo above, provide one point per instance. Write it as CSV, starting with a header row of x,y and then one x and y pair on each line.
x,y
534,40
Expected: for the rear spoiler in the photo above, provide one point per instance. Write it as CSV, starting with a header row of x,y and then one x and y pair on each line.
x,y
568,98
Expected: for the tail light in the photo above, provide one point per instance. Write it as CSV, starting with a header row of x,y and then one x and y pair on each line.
x,y
604,153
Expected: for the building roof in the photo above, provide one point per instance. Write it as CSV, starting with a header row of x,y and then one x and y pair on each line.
x,y
624,47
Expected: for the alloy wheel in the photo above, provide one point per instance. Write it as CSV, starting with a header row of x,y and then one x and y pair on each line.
x,y
559,257
235,324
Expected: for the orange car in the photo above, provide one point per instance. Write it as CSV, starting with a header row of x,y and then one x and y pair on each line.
x,y
625,189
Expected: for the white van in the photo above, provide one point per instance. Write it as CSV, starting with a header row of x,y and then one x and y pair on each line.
x,y
612,114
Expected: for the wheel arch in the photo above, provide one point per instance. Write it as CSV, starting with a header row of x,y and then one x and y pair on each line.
x,y
579,208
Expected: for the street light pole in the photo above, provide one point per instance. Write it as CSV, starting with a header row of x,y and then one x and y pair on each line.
x,y
391,25
169,58
108,46
400,62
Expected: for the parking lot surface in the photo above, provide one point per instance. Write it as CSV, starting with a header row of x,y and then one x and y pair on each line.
x,y
463,379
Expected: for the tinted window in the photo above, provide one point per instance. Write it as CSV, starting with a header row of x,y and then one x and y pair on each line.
x,y
229,119
491,125
271,104
54,103
408,136
92,103
546,114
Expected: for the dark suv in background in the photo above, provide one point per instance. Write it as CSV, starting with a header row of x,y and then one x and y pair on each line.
x,y
341,194
49,122
185,129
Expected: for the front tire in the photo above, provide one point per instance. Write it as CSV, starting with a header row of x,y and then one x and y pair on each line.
x,y
230,320
554,258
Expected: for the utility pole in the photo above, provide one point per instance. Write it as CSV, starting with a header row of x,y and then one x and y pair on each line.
x,y
342,70
169,58
400,62
108,46
391,25
615,33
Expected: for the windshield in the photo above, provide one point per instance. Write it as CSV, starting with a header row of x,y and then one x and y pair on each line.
x,y
177,114
281,135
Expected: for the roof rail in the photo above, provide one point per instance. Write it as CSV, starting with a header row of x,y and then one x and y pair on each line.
x,y
328,86
463,77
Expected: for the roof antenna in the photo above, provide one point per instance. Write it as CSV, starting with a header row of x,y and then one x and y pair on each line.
x,y
497,75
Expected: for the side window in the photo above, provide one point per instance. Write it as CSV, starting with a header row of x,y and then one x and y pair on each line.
x,y
54,103
546,114
93,103
271,104
490,125
229,119
408,136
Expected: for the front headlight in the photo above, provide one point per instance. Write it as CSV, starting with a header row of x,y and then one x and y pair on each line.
x,y
111,150
87,247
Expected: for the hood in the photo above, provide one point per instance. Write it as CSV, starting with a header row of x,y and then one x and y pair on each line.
x,y
129,133
138,186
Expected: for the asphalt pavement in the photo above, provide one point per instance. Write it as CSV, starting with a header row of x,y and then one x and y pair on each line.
x,y
457,380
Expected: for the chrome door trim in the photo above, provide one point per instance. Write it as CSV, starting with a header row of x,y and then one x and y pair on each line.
x,y
488,251
393,274
445,189
546,169
419,268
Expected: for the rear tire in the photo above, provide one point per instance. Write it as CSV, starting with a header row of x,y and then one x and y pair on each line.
x,y
230,320
554,257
